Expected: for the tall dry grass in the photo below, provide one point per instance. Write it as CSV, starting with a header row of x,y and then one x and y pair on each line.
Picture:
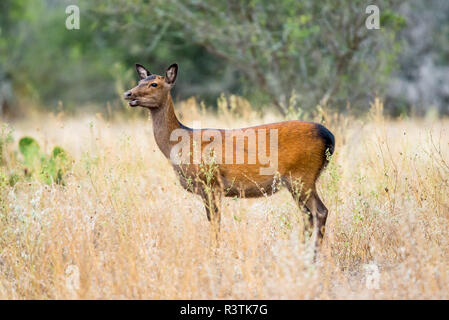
x,y
123,227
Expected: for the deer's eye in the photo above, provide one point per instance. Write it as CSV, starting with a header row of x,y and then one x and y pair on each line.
x,y
154,84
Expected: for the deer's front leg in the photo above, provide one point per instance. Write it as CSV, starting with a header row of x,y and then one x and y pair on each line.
x,y
212,205
212,199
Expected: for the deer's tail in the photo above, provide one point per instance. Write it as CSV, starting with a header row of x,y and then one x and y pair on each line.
x,y
328,141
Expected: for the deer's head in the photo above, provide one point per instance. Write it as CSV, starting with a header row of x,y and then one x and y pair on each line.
x,y
152,89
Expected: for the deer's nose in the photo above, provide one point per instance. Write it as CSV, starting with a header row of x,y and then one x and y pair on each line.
x,y
127,94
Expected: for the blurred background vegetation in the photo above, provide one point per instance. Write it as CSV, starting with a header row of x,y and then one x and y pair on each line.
x,y
289,56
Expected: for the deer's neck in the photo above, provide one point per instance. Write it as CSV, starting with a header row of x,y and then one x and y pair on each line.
x,y
164,122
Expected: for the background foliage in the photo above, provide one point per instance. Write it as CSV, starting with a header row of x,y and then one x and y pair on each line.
x,y
290,56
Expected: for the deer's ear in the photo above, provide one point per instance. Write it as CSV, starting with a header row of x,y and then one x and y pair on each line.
x,y
142,71
171,74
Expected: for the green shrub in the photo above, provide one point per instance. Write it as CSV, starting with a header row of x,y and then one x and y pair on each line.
x,y
50,168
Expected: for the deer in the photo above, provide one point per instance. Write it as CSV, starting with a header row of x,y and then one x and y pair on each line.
x,y
300,150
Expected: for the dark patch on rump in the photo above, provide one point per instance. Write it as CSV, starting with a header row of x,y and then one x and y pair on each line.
x,y
328,139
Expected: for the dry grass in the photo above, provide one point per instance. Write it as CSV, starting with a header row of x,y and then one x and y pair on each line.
x,y
122,227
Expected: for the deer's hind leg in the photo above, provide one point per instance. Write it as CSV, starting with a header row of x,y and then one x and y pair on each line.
x,y
300,195
319,217
307,199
